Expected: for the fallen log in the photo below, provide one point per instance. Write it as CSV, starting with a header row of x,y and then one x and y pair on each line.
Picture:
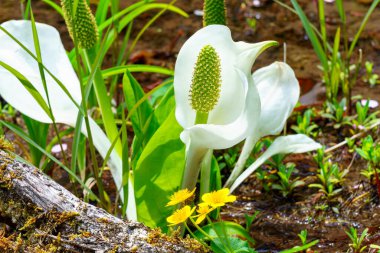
x,y
39,215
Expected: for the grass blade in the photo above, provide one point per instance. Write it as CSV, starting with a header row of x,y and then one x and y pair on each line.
x,y
55,6
362,25
29,87
311,34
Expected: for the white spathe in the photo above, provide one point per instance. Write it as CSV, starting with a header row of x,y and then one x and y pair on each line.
x,y
55,59
238,108
279,92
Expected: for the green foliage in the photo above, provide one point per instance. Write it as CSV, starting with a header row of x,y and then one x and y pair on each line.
x,y
80,22
226,237
364,118
330,177
305,125
370,151
287,185
357,241
158,173
335,112
370,77
305,246
38,132
249,220
214,12
266,178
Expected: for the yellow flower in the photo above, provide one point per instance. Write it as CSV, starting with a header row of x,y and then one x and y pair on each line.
x,y
179,197
180,215
218,198
202,211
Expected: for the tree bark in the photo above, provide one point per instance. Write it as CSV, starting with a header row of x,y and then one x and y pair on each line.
x,y
39,215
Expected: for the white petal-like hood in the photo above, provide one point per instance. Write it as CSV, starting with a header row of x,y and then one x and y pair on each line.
x,y
279,92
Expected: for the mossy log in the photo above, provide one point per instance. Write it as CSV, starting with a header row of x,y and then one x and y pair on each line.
x,y
39,215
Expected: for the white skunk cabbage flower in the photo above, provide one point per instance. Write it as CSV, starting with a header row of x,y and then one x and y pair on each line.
x,y
279,92
55,59
216,101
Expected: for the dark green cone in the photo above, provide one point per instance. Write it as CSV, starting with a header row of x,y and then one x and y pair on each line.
x,y
84,23
214,12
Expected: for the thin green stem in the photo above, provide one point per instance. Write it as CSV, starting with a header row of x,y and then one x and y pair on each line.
x,y
201,118
228,246
95,167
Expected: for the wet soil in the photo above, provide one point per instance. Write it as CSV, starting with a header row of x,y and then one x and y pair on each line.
x,y
280,219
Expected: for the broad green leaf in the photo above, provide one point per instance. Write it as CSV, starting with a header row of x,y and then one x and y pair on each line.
x,y
232,229
158,173
133,93
237,245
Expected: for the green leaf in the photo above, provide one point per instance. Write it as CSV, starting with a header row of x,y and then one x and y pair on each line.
x,y
158,173
300,248
143,114
38,132
311,34
232,230
135,13
136,68
237,245
55,6
362,25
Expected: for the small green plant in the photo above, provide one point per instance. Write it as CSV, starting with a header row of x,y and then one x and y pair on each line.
x,y
330,178
336,113
286,185
370,77
320,157
305,245
249,220
266,178
357,241
370,151
364,118
228,158
7,111
305,125
350,144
